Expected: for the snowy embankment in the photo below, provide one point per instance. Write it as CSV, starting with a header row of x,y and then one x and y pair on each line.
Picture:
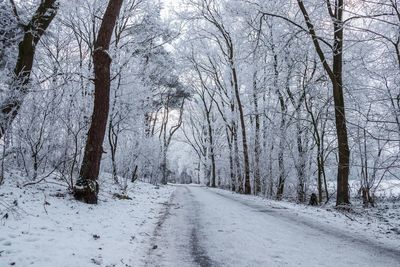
x,y
42,225
380,224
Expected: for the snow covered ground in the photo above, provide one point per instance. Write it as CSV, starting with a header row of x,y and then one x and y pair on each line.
x,y
188,225
381,223
383,219
44,226
211,227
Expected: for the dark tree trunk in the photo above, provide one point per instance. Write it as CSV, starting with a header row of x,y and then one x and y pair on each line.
x,y
281,163
238,170
164,169
301,168
257,147
207,111
335,74
342,197
281,166
319,174
247,187
34,31
113,142
86,188
212,156
231,167
134,174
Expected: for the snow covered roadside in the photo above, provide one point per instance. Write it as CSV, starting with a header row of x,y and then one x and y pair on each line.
x,y
47,227
372,224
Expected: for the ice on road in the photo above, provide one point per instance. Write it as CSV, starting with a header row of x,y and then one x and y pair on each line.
x,y
202,227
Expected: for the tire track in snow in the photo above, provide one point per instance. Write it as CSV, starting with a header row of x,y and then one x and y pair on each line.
x,y
198,252
163,246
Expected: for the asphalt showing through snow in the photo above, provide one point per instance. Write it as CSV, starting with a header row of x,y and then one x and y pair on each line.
x,y
198,252
202,227
176,238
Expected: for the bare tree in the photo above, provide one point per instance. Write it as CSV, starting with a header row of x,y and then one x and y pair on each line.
x,y
33,32
335,73
209,12
86,188
166,135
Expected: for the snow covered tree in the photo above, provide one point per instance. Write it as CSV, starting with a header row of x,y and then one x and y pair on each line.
x,y
19,84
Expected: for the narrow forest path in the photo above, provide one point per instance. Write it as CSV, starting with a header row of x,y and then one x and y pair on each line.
x,y
204,228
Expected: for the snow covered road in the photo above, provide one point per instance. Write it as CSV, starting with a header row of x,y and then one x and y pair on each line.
x,y
204,227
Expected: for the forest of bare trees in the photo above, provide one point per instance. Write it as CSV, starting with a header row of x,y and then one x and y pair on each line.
x,y
275,99
202,133
295,97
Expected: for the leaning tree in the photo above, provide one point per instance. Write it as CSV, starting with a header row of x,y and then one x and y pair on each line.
x,y
86,188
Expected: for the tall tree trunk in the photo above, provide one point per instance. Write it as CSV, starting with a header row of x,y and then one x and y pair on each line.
x,y
281,167
247,187
319,174
212,156
270,190
113,142
257,147
238,170
282,137
210,14
342,197
207,111
301,165
238,186
266,152
231,166
164,169
335,74
86,188
34,31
